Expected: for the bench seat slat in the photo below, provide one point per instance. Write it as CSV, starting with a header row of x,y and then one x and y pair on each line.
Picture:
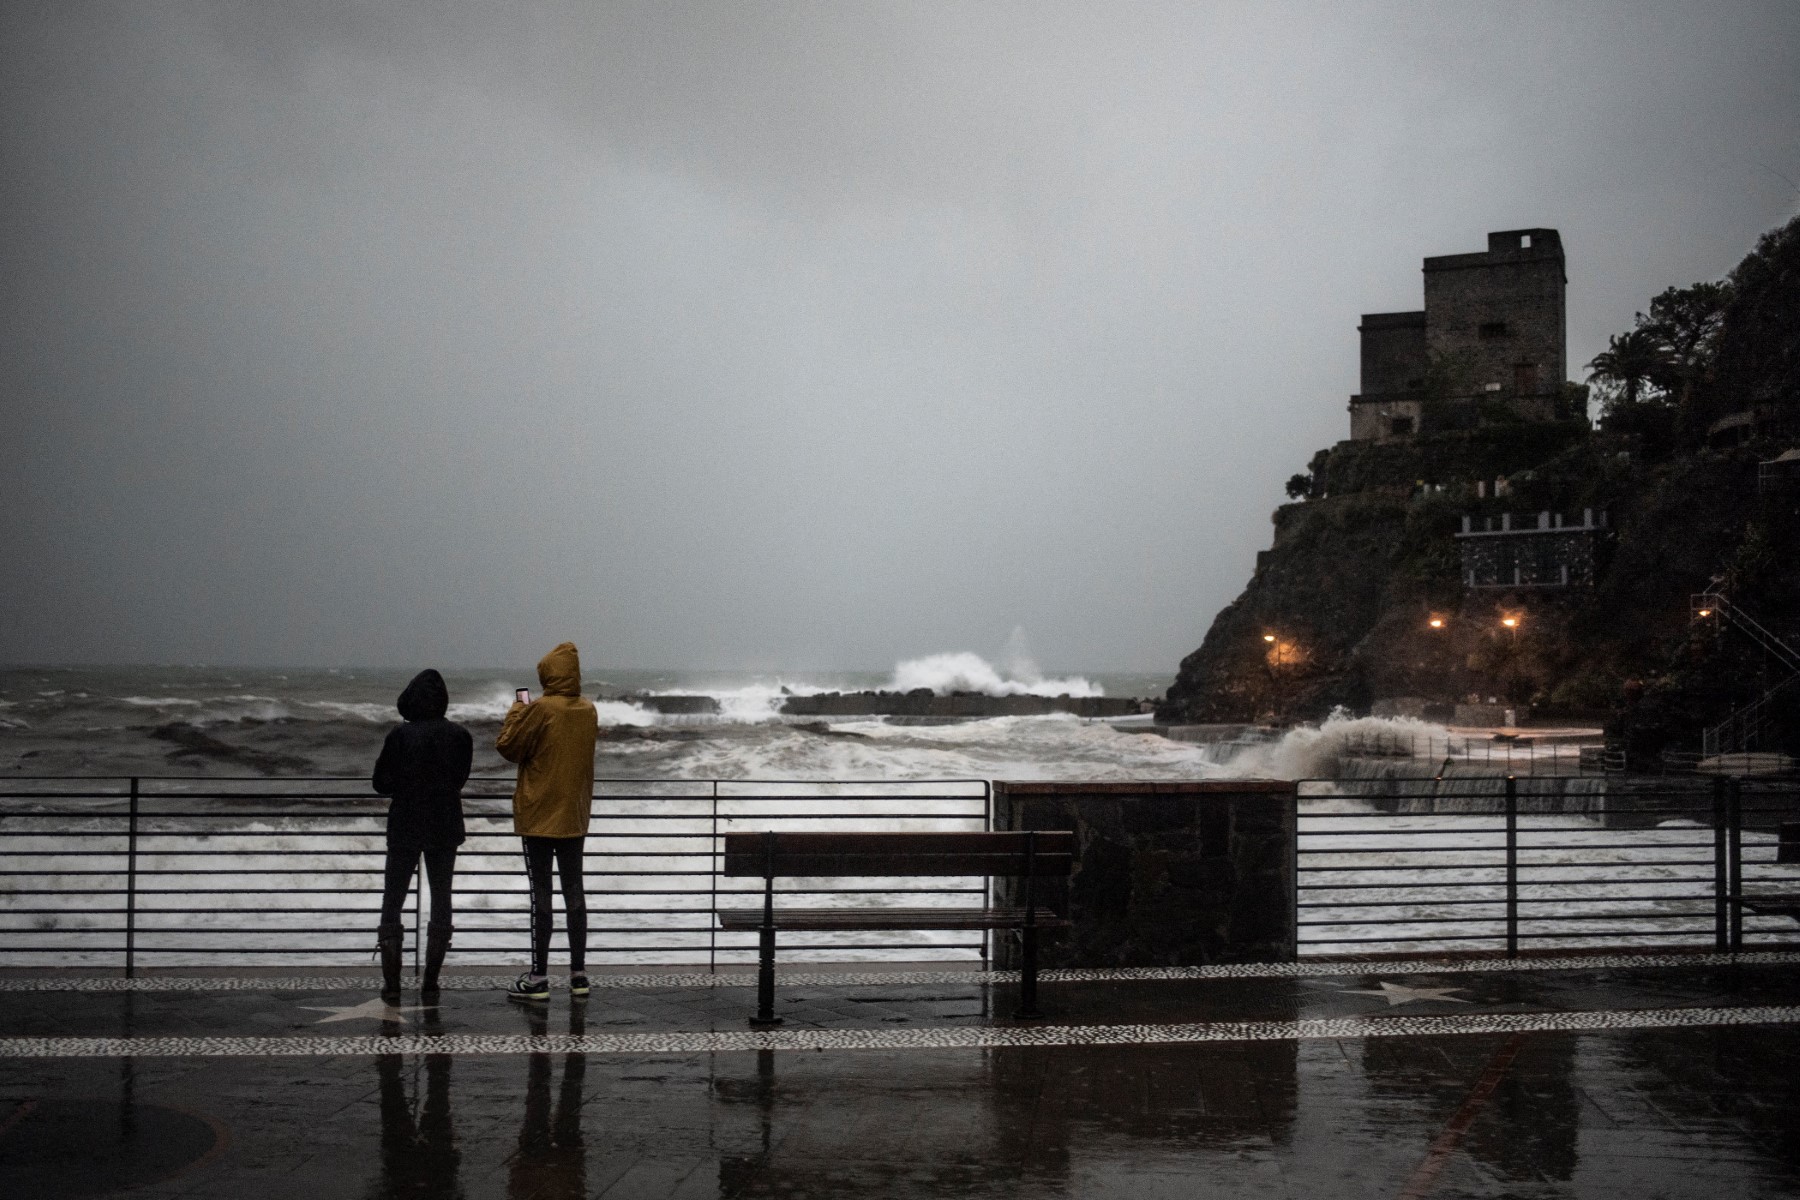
x,y
897,854
992,842
862,866
1772,905
819,920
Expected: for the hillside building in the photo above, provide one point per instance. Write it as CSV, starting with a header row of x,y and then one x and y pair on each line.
x,y
1530,550
1490,344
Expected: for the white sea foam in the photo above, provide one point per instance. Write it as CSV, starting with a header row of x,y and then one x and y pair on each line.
x,y
963,671
618,712
1316,751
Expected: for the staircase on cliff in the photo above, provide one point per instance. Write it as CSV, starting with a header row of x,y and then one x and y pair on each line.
x,y
1743,730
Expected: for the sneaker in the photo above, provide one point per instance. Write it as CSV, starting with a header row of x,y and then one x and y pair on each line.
x,y
527,989
578,985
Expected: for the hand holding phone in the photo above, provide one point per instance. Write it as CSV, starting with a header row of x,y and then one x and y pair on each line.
x,y
522,696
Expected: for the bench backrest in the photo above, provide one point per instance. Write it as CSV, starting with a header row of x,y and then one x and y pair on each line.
x,y
895,854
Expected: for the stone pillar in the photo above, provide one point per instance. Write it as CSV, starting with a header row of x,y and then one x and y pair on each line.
x,y
1166,874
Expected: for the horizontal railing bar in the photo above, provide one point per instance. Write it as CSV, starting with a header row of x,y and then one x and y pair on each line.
x,y
1423,937
1500,900
592,950
1479,866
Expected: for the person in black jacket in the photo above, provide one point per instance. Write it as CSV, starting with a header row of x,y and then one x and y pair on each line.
x,y
423,766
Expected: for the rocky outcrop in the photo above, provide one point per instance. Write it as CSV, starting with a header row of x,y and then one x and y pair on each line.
x,y
1352,582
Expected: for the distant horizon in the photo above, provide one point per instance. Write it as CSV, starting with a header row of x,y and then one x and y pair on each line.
x,y
587,668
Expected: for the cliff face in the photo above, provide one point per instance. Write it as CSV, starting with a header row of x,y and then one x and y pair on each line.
x,y
1352,583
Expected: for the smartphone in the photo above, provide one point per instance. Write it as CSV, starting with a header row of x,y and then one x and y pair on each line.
x,y
522,696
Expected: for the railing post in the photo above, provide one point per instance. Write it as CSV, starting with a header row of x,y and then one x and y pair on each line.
x,y
712,925
1512,866
987,881
418,913
1734,834
131,843
1721,869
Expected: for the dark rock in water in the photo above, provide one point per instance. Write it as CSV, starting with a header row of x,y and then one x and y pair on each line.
x,y
923,702
673,705
194,743
649,733
824,730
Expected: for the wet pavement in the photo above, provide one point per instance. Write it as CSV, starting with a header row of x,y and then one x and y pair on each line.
x,y
1624,1076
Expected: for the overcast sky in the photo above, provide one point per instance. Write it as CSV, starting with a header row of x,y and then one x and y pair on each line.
x,y
769,335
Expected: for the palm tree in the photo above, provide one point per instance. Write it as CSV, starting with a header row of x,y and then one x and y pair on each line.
x,y
1628,362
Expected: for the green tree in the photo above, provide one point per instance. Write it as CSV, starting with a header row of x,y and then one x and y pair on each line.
x,y
1685,324
1626,369
1759,348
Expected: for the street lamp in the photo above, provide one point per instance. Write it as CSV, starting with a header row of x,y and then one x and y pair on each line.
x,y
1436,622
1278,648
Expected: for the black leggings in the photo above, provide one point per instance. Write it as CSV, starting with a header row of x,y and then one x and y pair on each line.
x,y
402,861
567,853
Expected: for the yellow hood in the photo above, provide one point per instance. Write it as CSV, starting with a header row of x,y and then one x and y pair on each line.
x,y
560,671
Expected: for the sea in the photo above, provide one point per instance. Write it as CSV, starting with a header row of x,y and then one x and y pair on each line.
x,y
212,855
215,722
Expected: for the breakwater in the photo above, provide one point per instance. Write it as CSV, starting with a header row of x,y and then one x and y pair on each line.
x,y
918,703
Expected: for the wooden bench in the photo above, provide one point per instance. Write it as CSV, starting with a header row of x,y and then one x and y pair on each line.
x,y
1030,855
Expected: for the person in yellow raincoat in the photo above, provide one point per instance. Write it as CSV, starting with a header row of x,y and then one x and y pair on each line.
x,y
552,739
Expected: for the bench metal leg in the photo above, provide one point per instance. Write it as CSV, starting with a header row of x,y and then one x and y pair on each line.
x,y
765,981
1028,1009
765,959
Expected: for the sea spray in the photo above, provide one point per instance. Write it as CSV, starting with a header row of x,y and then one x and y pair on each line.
x,y
966,672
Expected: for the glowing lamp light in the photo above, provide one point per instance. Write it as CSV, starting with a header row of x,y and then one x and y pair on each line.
x,y
1268,637
1706,612
1510,622
1437,622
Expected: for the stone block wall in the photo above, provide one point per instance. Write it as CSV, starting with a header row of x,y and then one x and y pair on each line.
x,y
1393,352
1166,874
1501,311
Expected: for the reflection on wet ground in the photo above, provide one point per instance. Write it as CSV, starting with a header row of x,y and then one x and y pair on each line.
x,y
1364,1084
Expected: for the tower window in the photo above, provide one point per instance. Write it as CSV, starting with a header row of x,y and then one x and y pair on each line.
x,y
1400,426
1492,330
1525,241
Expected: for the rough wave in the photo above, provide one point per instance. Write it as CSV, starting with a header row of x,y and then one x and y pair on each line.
x,y
1318,751
963,671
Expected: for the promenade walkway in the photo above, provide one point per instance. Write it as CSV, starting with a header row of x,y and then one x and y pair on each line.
x,y
1625,1076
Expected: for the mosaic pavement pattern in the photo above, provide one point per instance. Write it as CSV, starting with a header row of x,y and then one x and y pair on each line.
x,y
1304,969
963,1037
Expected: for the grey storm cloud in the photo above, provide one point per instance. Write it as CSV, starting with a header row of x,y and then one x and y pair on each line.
x,y
753,336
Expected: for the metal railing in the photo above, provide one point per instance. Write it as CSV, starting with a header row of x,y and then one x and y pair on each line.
x,y
1412,866
129,872
1520,755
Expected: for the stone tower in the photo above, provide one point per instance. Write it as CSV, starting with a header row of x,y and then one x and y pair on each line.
x,y
1490,344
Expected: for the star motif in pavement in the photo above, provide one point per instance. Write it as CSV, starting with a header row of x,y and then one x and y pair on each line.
x,y
374,1010
1397,993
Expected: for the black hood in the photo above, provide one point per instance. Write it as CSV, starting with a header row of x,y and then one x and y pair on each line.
x,y
425,698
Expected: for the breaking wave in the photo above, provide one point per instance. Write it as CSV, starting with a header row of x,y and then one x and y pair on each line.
x,y
966,672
